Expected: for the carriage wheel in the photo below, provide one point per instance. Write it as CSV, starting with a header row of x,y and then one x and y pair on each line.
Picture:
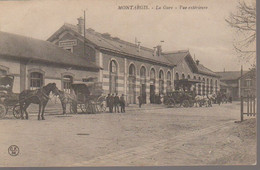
x,y
17,112
186,103
101,104
84,107
191,103
177,105
2,111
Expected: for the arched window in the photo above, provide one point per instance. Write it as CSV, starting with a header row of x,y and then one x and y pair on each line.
x,y
211,86
183,76
143,83
169,81
113,76
36,80
161,82
199,87
132,79
142,72
203,86
188,77
152,85
207,87
216,86
67,80
176,76
194,78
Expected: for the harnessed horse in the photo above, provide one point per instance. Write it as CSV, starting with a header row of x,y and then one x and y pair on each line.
x,y
39,96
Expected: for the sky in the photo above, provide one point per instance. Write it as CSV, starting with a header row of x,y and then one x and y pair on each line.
x,y
204,32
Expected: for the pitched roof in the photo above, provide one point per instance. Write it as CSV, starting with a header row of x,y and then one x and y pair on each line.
x,y
178,56
105,41
230,75
29,48
204,70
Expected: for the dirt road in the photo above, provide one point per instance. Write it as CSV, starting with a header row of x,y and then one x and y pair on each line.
x,y
140,137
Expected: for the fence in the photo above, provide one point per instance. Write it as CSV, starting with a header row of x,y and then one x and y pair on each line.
x,y
249,103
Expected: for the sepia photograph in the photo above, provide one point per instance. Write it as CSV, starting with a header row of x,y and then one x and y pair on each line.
x,y
114,83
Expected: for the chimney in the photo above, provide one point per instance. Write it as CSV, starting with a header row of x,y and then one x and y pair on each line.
x,y
159,50
138,46
81,25
197,62
154,51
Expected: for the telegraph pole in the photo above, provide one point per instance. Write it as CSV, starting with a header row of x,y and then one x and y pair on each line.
x,y
84,32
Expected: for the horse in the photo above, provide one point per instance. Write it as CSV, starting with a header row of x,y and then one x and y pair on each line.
x,y
202,100
38,96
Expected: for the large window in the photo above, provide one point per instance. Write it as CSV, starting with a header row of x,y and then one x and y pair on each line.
x,y
211,86
143,83
203,87
207,87
248,83
169,82
67,81
36,80
199,87
216,86
161,82
131,81
113,77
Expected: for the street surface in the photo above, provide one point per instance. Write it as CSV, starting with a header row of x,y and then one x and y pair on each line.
x,y
151,136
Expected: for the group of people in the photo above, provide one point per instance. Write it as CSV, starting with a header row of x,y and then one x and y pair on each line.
x,y
114,101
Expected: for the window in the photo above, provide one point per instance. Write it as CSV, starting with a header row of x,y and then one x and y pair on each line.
x,y
199,87
113,77
143,72
183,76
67,81
248,83
168,89
152,74
3,72
161,82
188,76
211,86
216,86
131,81
176,76
36,80
203,86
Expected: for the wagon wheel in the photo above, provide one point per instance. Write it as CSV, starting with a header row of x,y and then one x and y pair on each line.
x,y
191,103
186,103
2,111
17,112
84,107
101,104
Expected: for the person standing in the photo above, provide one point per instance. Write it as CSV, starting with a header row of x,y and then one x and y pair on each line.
x,y
107,101
122,103
116,103
140,101
111,103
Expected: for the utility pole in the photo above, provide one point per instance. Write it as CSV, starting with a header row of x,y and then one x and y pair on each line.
x,y
84,32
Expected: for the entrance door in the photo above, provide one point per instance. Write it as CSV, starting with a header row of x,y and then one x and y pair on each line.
x,y
143,93
152,93
132,90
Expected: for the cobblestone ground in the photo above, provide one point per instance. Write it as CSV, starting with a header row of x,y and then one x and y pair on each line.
x,y
150,136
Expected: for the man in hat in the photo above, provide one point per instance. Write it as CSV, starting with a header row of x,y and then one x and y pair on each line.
x,y
122,103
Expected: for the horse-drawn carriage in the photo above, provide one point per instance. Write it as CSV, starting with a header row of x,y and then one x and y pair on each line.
x,y
179,98
183,95
89,98
8,99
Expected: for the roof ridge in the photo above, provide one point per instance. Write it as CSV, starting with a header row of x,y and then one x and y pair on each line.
x,y
177,51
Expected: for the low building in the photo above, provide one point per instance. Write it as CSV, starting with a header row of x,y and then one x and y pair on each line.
x,y
247,83
35,63
237,83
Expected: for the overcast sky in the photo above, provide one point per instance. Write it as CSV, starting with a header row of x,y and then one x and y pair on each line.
x,y
204,32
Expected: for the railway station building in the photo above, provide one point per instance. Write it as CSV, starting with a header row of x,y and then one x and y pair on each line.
x,y
131,69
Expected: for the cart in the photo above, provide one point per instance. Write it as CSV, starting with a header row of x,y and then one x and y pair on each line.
x,y
8,99
184,95
89,98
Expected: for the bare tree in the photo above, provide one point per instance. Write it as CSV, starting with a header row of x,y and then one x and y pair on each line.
x,y
244,21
